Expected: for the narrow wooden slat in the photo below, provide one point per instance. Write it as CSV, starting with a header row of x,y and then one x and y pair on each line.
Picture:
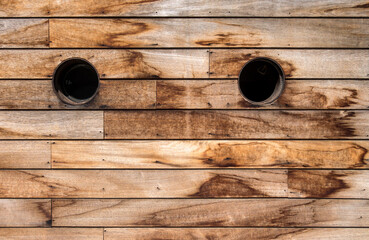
x,y
307,63
142,184
113,94
48,124
210,154
25,213
236,233
227,124
168,63
298,94
24,33
235,32
51,233
211,212
325,184
25,154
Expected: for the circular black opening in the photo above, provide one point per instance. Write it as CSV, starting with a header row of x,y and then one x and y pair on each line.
x,y
261,80
76,81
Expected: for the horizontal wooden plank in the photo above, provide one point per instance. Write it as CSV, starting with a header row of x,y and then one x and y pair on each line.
x,y
236,233
205,32
298,94
324,183
169,63
142,184
51,125
296,63
113,94
211,212
25,154
51,233
228,124
210,154
25,213
276,8
24,33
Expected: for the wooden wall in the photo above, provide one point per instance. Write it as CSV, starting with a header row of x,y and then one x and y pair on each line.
x,y
169,149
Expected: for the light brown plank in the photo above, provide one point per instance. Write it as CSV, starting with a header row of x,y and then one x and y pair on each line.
x,y
326,184
113,94
211,212
236,233
24,33
167,63
228,124
51,125
210,154
235,32
25,213
298,94
142,184
51,234
296,63
25,154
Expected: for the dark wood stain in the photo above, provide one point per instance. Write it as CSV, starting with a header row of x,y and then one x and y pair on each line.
x,y
365,5
347,101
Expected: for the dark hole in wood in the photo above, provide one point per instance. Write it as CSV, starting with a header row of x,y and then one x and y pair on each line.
x,y
76,81
261,81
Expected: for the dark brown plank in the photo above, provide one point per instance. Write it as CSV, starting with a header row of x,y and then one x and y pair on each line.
x,y
51,233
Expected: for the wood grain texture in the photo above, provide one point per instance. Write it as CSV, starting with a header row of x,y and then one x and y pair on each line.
x,y
228,124
169,63
25,154
236,233
210,154
211,212
201,32
25,213
142,184
113,94
24,33
51,234
298,94
51,125
296,63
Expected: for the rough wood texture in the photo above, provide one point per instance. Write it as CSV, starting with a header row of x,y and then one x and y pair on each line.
x,y
51,234
296,63
236,233
24,33
211,212
142,184
210,154
25,213
324,183
298,94
51,125
227,124
25,154
235,32
168,63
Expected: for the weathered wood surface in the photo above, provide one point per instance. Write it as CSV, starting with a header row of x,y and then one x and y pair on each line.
x,y
113,94
210,154
296,63
25,154
228,124
51,233
205,32
298,94
279,8
167,63
51,125
142,184
236,233
24,33
25,213
211,212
